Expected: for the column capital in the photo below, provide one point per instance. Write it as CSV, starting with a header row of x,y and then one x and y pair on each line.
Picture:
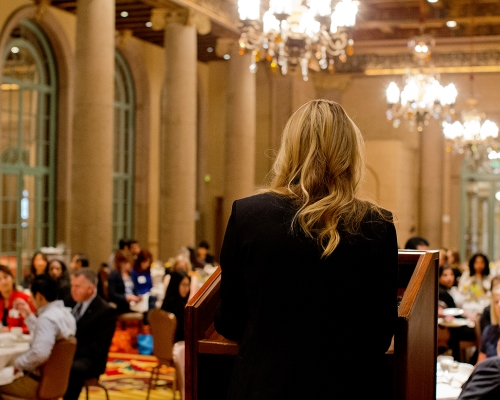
x,y
122,37
199,20
225,46
42,7
160,17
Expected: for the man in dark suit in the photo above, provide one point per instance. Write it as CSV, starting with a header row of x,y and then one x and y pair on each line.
x,y
484,382
95,326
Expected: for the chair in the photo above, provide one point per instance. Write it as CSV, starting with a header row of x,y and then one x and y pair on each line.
x,y
55,371
467,347
163,325
95,383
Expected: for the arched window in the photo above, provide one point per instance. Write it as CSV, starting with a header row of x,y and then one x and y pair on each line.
x,y
27,145
123,159
480,205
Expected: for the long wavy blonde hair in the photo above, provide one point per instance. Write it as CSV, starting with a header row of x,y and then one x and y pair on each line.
x,y
320,164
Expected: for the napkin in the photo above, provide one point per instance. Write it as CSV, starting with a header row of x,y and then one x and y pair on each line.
x,y
7,375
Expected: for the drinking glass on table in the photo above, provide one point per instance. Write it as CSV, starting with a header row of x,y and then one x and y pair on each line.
x,y
446,362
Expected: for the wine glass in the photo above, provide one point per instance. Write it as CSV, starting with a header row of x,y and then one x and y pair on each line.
x,y
446,362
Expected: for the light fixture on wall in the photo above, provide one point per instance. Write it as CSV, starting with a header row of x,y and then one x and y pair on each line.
x,y
423,96
293,33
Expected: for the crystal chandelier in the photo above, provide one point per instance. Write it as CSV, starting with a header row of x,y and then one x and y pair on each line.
x,y
423,96
293,33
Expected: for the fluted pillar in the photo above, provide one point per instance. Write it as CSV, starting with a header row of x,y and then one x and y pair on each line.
x,y
178,140
92,147
431,184
240,131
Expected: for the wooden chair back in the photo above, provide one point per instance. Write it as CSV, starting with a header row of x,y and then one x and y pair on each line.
x,y
162,325
55,371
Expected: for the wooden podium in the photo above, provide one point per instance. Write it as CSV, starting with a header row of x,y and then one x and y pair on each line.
x,y
411,362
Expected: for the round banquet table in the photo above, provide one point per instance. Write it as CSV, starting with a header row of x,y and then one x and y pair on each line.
x,y
10,348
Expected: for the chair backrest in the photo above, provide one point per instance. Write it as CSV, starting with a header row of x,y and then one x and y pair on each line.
x,y
162,325
55,371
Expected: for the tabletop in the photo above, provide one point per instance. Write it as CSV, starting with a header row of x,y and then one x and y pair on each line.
x,y
11,347
449,386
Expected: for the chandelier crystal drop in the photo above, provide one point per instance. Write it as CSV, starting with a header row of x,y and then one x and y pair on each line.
x,y
423,96
297,33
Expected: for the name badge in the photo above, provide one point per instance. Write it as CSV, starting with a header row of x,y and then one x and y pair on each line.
x,y
141,279
13,313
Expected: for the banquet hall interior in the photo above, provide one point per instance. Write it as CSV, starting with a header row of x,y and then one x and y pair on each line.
x,y
147,118
142,119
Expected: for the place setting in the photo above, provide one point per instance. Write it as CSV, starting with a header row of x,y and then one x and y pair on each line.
x,y
451,375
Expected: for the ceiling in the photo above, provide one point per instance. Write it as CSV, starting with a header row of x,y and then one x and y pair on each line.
x,y
378,22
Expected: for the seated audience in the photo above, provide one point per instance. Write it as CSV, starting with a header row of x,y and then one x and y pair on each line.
x,y
121,289
491,333
78,261
475,282
181,263
38,266
141,273
9,316
59,272
454,261
54,322
95,325
102,280
176,298
446,278
417,243
202,254
486,314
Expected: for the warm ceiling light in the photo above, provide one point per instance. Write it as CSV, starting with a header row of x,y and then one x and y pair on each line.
x,y
149,24
451,24
432,1
124,14
210,49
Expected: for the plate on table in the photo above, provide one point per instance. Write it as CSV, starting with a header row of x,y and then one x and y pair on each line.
x,y
453,311
454,323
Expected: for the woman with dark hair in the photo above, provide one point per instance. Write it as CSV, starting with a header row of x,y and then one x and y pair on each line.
x,y
176,298
475,282
10,317
287,258
59,272
141,273
446,279
38,266
121,289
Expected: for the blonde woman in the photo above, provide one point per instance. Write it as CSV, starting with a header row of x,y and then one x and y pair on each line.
x,y
491,333
309,270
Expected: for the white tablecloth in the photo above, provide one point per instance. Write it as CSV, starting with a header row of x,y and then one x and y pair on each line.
x,y
10,348
452,389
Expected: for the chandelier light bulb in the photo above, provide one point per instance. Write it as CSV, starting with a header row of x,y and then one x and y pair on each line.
x,y
392,93
249,10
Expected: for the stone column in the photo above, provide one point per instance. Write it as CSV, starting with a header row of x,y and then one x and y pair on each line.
x,y
431,184
92,143
240,131
178,136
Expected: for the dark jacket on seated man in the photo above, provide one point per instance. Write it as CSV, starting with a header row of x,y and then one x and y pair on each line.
x,y
484,382
95,327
